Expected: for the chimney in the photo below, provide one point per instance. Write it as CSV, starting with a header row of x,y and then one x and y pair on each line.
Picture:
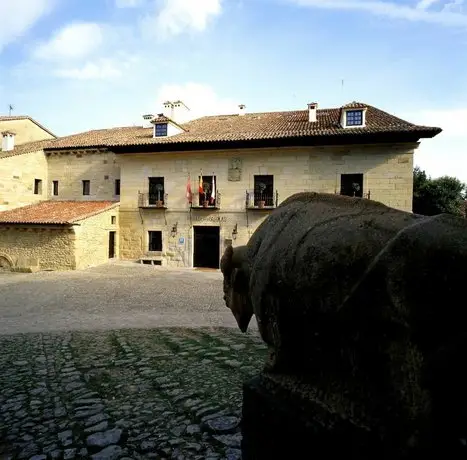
x,y
169,109
8,141
312,109
177,111
147,120
242,109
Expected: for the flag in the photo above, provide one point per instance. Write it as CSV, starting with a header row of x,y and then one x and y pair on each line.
x,y
189,195
213,192
200,188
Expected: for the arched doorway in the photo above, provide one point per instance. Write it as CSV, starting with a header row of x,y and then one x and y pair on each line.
x,y
6,263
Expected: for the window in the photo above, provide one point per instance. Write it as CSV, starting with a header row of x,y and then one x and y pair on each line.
x,y
156,190
155,241
209,195
160,129
352,185
354,117
86,187
264,190
55,187
37,186
117,186
113,220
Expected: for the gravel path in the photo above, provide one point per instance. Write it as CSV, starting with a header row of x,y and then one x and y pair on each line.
x,y
129,394
114,296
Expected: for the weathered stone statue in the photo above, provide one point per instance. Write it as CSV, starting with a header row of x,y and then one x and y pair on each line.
x,y
364,312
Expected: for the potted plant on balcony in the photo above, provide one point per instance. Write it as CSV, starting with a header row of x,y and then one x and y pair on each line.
x,y
159,202
261,201
206,190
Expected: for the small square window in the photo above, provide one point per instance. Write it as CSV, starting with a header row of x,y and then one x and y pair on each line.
x,y
55,187
37,186
354,118
160,129
113,220
117,187
86,187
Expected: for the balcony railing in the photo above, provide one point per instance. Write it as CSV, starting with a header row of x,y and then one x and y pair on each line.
x,y
200,203
255,200
366,195
153,200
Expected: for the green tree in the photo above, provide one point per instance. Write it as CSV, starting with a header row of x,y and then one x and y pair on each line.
x,y
435,196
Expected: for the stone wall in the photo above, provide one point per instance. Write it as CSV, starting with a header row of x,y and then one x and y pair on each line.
x,y
387,170
71,168
25,131
92,239
52,247
17,175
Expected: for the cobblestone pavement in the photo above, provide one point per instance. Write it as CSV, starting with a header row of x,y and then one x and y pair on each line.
x,y
162,393
112,296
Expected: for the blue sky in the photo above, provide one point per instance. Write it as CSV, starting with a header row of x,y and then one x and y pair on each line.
x,y
76,65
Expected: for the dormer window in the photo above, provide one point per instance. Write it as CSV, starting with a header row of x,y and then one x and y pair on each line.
x,y
160,130
354,117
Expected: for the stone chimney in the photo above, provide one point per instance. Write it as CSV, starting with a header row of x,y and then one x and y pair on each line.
x,y
242,109
147,120
8,141
312,109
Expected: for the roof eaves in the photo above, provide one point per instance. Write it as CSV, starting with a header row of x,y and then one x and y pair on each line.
x,y
94,213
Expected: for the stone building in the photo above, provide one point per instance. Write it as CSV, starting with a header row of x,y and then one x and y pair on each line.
x,y
58,235
247,163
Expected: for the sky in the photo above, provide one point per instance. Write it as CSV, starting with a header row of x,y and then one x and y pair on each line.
x,y
76,65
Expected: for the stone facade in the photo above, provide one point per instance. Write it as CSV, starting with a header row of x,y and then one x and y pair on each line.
x,y
387,174
53,248
92,238
71,168
25,130
18,173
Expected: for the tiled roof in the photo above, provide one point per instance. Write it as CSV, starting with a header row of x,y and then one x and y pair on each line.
x,y
253,126
25,117
55,212
25,148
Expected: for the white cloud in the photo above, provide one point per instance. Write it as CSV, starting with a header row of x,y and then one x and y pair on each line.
x,y
425,4
103,69
18,16
74,41
129,3
179,16
201,99
445,154
450,15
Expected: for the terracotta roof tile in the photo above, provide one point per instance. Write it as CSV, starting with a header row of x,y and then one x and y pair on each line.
x,y
25,117
25,148
55,212
252,126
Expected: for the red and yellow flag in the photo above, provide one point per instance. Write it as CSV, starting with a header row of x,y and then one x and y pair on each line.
x,y
201,183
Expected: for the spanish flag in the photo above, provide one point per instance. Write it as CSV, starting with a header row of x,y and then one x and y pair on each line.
x,y
200,190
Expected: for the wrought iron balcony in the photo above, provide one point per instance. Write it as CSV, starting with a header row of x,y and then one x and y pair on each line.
x,y
261,200
366,195
205,202
153,200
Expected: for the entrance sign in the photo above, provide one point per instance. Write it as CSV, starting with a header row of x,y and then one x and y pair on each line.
x,y
181,240
210,219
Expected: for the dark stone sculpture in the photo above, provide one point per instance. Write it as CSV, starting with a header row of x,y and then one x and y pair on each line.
x,y
363,310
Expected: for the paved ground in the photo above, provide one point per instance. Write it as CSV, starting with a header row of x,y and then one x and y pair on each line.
x,y
90,366
111,297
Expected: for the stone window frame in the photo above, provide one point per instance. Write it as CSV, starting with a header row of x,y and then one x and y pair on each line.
x,y
86,187
37,186
55,188
151,249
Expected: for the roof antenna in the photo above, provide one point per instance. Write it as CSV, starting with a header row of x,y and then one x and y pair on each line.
x,y
10,108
